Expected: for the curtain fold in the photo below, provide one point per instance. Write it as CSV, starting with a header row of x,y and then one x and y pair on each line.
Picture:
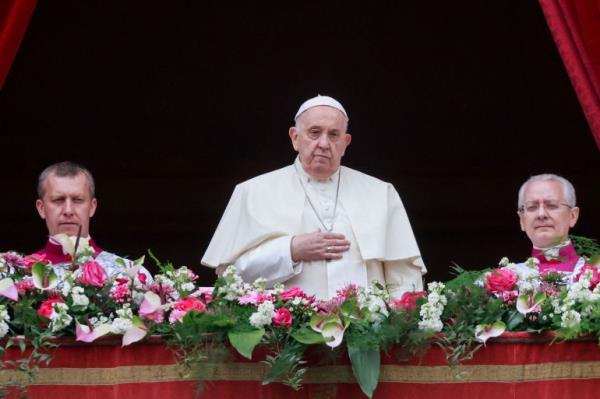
x,y
14,18
575,26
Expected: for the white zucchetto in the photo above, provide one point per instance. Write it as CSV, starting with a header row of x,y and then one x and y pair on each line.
x,y
318,101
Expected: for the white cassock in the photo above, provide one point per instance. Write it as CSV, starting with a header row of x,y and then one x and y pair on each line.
x,y
265,212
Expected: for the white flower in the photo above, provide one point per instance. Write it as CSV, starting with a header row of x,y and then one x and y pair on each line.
x,y
3,329
431,311
189,287
78,297
532,262
503,262
66,287
4,316
234,286
570,319
123,322
59,318
263,315
120,325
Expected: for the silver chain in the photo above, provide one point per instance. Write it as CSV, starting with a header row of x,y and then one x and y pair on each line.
x,y
337,192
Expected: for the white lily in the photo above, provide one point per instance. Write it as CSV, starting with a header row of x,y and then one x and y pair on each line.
x,y
528,303
8,289
483,332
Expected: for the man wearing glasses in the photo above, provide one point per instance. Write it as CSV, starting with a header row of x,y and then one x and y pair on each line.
x,y
547,210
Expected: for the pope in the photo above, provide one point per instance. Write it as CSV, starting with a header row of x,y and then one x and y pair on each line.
x,y
315,224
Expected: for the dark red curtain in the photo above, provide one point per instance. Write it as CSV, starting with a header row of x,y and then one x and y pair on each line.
x,y
14,18
575,26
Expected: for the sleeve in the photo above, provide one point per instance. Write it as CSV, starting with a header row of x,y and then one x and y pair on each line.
x,y
404,275
271,260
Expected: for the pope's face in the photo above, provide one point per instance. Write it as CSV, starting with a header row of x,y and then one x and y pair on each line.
x,y
320,139
546,218
67,204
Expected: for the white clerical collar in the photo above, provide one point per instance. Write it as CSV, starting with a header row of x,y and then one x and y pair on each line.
x,y
554,250
306,178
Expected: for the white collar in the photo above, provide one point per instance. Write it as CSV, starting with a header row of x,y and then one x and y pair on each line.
x,y
306,178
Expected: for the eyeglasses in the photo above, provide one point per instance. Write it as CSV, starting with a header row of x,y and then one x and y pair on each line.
x,y
549,206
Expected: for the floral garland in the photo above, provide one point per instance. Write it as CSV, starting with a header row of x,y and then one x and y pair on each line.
x,y
84,301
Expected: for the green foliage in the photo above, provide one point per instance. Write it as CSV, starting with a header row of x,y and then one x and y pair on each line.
x,y
586,247
286,365
244,340
365,365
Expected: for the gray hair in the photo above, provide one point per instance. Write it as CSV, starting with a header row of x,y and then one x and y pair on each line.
x,y
568,189
65,169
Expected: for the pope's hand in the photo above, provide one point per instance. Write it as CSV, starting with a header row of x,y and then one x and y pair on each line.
x,y
319,246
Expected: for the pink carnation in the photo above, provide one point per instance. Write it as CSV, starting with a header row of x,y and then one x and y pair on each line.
x,y
255,298
347,292
47,307
15,260
183,306
408,301
24,286
121,293
204,293
282,318
292,293
500,280
509,296
92,273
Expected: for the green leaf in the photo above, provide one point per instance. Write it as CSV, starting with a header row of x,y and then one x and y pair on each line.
x,y
365,366
287,365
245,341
513,320
308,337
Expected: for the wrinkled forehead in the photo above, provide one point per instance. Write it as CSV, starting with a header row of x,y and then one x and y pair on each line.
x,y
55,185
543,191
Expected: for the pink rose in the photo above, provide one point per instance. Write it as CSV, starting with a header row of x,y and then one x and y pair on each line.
x,y
47,307
282,318
183,306
291,293
408,301
92,273
500,280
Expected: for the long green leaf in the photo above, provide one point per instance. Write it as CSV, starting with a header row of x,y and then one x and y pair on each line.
x,y
365,366
308,337
245,341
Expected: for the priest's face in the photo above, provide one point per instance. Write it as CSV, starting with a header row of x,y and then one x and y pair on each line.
x,y
320,139
546,217
67,204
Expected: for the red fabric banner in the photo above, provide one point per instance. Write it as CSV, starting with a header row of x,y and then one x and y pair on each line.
x,y
14,18
518,365
575,26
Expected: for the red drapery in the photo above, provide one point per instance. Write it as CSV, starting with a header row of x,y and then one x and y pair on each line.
x,y
575,26
516,366
14,18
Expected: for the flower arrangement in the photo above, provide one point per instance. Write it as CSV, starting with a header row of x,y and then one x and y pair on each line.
x,y
40,301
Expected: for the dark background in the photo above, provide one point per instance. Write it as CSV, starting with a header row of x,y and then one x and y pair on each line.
x,y
170,104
